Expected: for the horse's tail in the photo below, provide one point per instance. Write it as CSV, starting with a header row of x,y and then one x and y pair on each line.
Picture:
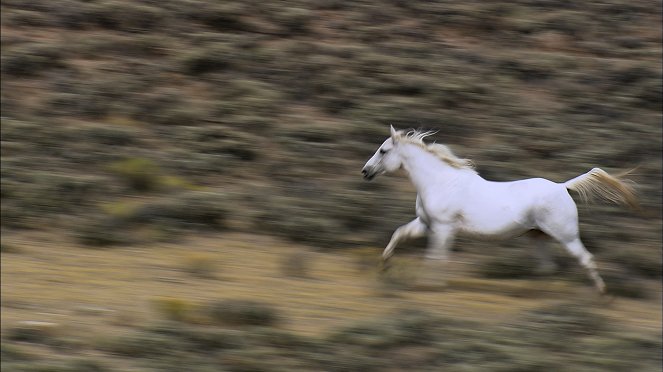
x,y
598,182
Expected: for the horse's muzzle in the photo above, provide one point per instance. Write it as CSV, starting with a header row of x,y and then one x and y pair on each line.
x,y
367,175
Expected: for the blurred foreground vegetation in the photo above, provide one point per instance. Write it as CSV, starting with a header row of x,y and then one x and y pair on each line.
x,y
561,337
125,122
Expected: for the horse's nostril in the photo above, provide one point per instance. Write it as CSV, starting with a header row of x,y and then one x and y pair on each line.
x,y
363,171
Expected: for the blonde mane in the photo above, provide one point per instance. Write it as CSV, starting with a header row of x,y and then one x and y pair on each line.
x,y
442,152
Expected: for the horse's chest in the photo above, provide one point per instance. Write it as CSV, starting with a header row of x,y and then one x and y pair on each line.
x,y
439,210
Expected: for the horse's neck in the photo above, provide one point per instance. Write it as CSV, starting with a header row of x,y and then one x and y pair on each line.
x,y
427,170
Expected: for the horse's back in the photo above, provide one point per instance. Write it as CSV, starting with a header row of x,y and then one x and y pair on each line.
x,y
539,197
527,191
510,208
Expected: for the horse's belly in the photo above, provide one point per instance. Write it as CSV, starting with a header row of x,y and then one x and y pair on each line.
x,y
494,226
497,234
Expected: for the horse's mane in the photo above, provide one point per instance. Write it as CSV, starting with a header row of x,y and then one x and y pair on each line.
x,y
442,152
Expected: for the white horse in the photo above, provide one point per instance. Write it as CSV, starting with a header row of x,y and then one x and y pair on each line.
x,y
453,199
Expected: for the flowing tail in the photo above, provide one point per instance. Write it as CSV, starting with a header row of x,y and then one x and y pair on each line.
x,y
598,183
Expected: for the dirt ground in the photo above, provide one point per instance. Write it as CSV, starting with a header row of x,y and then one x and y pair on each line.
x,y
89,292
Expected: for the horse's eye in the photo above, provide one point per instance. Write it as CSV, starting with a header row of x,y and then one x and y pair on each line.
x,y
383,151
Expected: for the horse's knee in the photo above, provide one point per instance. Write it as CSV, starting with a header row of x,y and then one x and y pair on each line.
x,y
577,249
587,261
397,234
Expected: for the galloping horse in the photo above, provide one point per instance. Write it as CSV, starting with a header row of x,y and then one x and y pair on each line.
x,y
452,199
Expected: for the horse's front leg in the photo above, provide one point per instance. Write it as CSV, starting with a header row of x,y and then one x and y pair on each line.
x,y
546,264
440,239
414,229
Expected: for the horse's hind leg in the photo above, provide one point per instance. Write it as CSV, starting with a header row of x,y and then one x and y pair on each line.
x,y
563,227
577,249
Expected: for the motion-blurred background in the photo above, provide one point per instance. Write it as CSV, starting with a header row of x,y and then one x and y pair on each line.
x,y
224,129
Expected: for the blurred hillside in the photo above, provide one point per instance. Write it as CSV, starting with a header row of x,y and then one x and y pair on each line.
x,y
216,147
133,121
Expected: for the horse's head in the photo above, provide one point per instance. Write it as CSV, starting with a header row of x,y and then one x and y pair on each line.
x,y
386,159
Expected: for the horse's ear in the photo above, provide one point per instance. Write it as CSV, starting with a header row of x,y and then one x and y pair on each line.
x,y
394,134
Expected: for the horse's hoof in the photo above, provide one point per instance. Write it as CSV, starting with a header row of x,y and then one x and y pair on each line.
x,y
606,298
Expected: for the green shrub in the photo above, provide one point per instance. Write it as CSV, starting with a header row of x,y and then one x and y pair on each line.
x,y
185,209
222,17
188,114
296,265
139,174
128,17
57,365
525,71
302,225
111,135
215,58
623,284
509,264
12,353
202,338
134,45
29,197
237,148
174,309
31,59
143,345
201,266
318,207
650,95
9,248
565,319
641,262
90,105
163,218
215,339
295,20
21,18
34,332
87,365
243,312
103,231
14,216
62,192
